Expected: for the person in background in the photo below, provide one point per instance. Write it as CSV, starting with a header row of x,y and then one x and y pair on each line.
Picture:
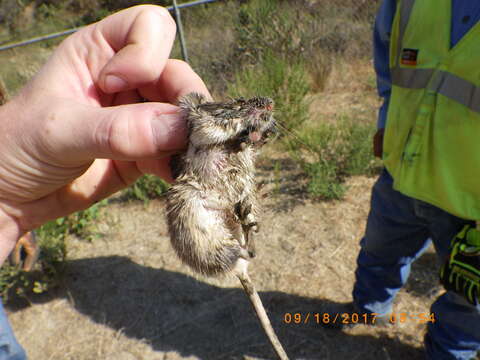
x,y
82,128
426,60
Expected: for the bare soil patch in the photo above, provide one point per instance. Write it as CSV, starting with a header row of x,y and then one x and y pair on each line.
x,y
127,296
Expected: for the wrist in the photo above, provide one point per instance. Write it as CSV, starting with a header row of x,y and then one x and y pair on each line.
x,y
9,233
10,228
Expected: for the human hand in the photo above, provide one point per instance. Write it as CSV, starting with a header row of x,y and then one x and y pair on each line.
x,y
460,270
80,131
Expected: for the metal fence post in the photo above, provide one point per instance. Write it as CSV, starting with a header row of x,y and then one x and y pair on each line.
x,y
178,19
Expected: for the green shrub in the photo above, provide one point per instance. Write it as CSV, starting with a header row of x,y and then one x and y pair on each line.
x,y
9,11
285,83
83,223
271,25
14,282
146,187
324,180
329,152
50,266
210,51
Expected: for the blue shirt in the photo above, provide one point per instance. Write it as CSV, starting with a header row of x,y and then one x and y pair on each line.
x,y
465,14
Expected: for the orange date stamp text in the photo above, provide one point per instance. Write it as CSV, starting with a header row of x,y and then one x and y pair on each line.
x,y
355,318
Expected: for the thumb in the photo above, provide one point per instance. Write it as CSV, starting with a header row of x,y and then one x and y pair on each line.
x,y
127,132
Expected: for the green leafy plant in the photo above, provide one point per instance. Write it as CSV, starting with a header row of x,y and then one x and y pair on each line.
x,y
270,25
50,266
329,152
277,177
14,282
82,223
286,83
146,187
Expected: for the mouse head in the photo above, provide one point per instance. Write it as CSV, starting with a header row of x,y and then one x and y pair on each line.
x,y
215,123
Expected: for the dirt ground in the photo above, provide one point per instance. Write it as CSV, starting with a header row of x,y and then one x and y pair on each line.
x,y
126,296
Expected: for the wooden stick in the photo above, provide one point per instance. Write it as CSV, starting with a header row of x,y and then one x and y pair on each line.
x,y
261,314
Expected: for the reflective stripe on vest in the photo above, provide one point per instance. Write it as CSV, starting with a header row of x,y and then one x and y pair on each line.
x,y
447,84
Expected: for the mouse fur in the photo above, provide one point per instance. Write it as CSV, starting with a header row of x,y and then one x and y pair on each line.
x,y
212,206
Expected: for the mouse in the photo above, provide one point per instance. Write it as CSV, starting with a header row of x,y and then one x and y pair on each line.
x,y
212,206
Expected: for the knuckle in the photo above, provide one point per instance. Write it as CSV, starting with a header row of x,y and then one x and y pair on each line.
x,y
145,71
166,19
107,134
124,135
180,65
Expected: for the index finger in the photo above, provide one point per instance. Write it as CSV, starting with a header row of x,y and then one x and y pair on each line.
x,y
140,39
176,80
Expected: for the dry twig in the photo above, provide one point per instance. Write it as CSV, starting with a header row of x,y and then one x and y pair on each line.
x,y
262,314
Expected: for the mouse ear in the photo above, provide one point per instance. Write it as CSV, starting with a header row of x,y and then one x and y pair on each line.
x,y
191,100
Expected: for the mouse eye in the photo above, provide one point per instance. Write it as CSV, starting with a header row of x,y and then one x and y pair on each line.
x,y
244,133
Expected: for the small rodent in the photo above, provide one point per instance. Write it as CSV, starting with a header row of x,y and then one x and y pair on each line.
x,y
212,206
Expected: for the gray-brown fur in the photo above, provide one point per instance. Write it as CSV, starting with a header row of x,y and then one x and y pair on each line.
x,y
212,208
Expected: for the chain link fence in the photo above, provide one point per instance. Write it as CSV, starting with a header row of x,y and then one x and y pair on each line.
x,y
175,9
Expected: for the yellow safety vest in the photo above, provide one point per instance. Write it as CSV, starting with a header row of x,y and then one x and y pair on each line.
x,y
432,136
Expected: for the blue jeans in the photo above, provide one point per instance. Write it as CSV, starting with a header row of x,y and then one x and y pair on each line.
x,y
9,347
399,229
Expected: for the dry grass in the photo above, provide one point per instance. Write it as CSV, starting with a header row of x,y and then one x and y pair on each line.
x,y
349,91
18,65
210,54
128,297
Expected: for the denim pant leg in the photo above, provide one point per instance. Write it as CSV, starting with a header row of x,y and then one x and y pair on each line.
x,y
394,238
455,334
10,349
396,234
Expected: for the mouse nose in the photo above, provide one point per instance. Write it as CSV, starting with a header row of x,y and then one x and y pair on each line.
x,y
269,104
262,103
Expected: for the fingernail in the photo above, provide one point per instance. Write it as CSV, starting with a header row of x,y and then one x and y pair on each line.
x,y
170,132
115,84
